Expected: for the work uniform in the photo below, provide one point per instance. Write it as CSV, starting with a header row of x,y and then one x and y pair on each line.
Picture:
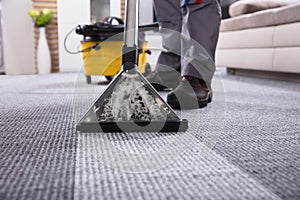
x,y
187,28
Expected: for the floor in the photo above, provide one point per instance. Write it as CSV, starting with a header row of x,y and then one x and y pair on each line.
x,y
244,145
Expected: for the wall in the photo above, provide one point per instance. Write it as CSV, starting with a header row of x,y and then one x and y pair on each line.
x,y
1,43
71,13
77,12
18,32
18,40
99,9
115,8
145,9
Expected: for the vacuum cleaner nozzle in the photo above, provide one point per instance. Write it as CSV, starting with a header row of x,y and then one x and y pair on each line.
x,y
131,104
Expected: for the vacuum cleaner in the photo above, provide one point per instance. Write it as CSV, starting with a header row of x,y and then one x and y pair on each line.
x,y
102,48
130,103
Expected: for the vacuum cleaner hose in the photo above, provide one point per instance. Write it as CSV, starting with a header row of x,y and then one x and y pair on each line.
x,y
65,42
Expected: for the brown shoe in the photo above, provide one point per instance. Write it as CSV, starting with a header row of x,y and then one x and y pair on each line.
x,y
164,80
191,93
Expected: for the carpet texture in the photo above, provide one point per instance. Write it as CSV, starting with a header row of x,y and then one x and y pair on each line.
x,y
244,145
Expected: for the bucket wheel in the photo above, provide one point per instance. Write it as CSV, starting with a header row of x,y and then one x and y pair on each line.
x,y
88,79
109,78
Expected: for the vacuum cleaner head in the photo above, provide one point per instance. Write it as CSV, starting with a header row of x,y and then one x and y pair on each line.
x,y
131,104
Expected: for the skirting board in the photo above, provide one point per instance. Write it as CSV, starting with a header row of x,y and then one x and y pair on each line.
x,y
283,76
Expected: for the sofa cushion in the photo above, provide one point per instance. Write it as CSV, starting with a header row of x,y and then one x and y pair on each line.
x,y
251,6
225,4
270,17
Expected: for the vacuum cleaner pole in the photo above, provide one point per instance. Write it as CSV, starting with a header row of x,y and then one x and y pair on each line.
x,y
130,48
131,25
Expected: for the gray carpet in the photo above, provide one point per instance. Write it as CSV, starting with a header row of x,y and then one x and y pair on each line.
x,y
244,145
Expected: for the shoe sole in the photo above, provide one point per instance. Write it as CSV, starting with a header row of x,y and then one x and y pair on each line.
x,y
161,88
201,104
158,87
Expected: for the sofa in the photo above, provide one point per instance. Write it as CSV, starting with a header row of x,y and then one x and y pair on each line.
x,y
264,37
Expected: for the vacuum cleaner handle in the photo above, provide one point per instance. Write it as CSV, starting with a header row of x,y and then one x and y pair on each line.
x,y
130,47
131,23
109,20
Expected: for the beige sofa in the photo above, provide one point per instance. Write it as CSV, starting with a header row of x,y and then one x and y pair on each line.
x,y
267,40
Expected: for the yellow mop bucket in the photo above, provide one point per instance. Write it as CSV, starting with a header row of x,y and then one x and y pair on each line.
x,y
106,60
102,49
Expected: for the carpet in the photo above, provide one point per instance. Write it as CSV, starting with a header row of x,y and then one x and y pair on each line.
x,y
244,145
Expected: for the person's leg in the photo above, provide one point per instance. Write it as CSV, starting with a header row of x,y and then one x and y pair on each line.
x,y
200,32
170,18
200,28
167,71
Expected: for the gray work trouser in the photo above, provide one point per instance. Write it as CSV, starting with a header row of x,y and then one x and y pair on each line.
x,y
189,35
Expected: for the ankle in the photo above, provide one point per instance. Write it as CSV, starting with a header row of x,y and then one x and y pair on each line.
x,y
195,80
